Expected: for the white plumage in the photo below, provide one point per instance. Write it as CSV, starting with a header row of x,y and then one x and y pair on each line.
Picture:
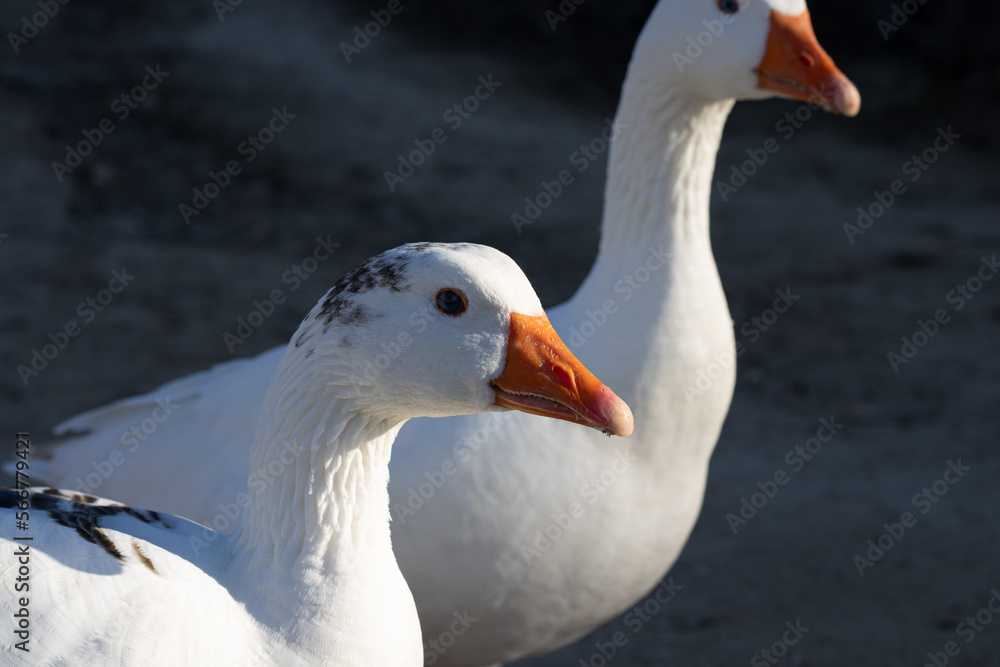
x,y
308,576
650,317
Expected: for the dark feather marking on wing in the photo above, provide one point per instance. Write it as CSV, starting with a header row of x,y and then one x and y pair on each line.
x,y
143,558
82,517
105,542
75,497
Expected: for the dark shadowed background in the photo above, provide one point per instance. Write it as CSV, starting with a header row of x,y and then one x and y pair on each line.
x,y
62,236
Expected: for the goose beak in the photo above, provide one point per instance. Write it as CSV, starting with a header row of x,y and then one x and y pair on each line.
x,y
542,377
796,66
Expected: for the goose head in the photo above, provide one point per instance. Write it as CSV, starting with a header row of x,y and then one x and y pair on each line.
x,y
741,49
430,329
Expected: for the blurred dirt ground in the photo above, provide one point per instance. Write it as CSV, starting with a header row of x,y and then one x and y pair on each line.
x,y
322,176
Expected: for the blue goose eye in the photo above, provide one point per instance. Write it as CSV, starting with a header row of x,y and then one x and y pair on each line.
x,y
451,302
729,6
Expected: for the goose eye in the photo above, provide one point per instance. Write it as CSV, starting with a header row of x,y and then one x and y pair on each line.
x,y
729,6
451,302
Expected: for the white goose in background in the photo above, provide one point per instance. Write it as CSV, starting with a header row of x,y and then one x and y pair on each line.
x,y
308,576
495,486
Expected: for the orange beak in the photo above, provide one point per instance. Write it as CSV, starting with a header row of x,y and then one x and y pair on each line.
x,y
542,377
796,66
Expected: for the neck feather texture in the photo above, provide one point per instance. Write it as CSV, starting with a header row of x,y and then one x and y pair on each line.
x,y
652,311
659,176
311,558
319,472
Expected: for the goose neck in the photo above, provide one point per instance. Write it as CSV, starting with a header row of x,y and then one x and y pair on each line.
x,y
316,496
659,175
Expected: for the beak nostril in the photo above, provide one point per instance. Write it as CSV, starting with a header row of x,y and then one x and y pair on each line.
x,y
563,375
807,59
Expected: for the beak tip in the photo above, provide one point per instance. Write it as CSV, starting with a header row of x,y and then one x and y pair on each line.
x,y
847,99
617,415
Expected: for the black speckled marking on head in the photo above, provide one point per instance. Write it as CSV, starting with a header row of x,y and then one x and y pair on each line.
x,y
302,338
71,512
424,246
385,271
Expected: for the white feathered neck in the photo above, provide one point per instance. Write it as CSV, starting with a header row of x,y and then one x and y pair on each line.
x,y
657,203
659,175
319,466
313,548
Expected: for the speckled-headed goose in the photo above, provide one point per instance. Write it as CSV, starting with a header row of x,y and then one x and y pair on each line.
x,y
651,316
308,576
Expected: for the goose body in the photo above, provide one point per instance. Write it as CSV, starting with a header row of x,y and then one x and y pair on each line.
x,y
650,317
308,575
